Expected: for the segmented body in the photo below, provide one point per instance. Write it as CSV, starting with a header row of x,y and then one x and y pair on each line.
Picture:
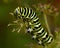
x,y
34,25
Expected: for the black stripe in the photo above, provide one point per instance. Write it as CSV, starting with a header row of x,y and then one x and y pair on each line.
x,y
37,27
47,39
41,32
27,11
34,31
32,15
38,36
36,21
37,30
30,12
35,17
21,11
51,41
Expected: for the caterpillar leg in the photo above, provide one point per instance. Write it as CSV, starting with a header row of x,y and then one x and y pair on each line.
x,y
43,45
28,29
34,37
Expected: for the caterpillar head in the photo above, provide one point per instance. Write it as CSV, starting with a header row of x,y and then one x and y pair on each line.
x,y
17,12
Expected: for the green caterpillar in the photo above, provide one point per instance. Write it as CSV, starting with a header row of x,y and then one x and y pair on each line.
x,y
34,25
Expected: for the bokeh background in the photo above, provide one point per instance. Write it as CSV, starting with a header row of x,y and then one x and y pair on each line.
x,y
10,39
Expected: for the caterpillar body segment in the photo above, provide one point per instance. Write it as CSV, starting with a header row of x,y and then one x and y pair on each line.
x,y
34,25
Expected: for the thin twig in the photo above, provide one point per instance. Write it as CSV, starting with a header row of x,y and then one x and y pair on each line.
x,y
46,22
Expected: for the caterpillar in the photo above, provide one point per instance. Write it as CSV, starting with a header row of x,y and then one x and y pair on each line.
x,y
34,26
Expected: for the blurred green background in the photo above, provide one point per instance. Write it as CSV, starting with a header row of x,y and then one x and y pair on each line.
x,y
10,39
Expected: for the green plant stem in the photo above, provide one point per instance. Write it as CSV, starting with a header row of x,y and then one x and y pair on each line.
x,y
46,22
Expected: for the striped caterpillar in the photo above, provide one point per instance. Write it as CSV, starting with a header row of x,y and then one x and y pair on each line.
x,y
34,26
